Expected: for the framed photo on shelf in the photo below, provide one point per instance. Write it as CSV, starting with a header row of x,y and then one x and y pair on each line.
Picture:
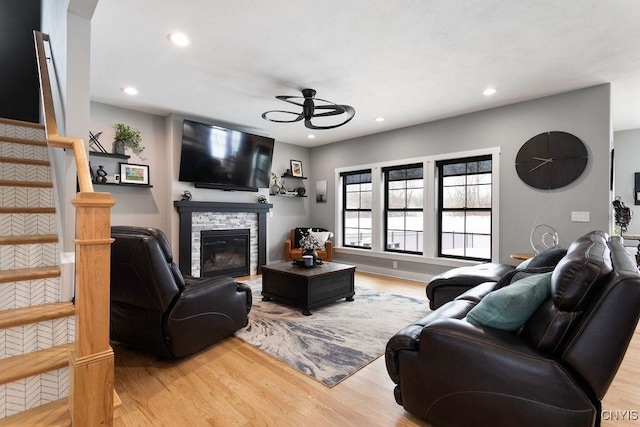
x,y
134,174
296,168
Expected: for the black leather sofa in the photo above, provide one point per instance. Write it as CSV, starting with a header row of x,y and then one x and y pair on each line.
x,y
554,370
156,309
446,286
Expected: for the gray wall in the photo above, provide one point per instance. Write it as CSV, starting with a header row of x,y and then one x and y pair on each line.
x,y
68,24
627,163
161,137
134,206
584,113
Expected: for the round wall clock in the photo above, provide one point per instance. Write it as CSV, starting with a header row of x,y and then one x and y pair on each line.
x,y
551,160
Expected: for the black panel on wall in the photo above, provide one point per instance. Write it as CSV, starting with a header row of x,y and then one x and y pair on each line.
x,y
19,92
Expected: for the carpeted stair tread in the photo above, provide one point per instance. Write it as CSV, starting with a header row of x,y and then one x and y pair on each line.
x,y
35,313
34,363
33,273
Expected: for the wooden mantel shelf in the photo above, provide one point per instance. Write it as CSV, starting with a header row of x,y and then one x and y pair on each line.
x,y
191,206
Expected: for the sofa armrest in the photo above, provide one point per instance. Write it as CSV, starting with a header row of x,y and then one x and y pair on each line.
x,y
463,363
287,249
409,337
214,307
329,248
206,294
450,284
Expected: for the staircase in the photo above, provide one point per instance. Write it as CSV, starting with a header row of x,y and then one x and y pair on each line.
x,y
36,326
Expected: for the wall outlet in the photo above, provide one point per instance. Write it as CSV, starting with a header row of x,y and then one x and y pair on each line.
x,y
395,264
580,216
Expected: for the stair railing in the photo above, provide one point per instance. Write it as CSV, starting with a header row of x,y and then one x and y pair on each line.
x,y
91,362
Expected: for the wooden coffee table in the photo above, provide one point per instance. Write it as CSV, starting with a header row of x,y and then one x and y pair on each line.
x,y
307,287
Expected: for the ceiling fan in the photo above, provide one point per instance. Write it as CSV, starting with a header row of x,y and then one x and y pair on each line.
x,y
309,109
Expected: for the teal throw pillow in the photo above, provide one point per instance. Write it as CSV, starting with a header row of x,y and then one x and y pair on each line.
x,y
510,307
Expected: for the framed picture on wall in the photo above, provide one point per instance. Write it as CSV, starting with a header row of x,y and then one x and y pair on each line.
x,y
296,168
134,174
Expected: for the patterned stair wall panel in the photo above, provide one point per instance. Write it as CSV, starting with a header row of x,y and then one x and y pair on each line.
x,y
37,390
31,392
28,256
27,224
20,172
22,197
29,292
25,339
23,132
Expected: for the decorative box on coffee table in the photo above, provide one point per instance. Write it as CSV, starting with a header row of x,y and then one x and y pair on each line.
x,y
307,288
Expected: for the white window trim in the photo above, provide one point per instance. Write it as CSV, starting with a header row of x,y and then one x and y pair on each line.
x,y
430,210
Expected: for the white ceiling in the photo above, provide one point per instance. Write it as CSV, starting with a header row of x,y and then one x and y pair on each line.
x,y
409,61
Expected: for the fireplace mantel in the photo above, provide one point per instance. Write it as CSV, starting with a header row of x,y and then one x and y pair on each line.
x,y
185,210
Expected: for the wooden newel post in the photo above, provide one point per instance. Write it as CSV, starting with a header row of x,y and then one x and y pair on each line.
x,y
91,364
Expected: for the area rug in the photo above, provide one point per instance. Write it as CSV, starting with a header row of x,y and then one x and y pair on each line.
x,y
337,339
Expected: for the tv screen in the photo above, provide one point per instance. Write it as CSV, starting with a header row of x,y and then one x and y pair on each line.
x,y
216,157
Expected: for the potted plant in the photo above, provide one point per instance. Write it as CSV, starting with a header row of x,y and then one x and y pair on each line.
x,y
126,136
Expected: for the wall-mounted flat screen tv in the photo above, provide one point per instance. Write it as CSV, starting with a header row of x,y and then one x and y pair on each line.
x,y
217,157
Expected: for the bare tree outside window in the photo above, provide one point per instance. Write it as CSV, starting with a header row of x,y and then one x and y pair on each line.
x,y
465,208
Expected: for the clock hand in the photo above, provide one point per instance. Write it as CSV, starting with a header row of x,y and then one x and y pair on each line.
x,y
542,164
550,159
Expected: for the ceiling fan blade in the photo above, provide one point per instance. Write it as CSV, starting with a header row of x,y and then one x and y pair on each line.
x,y
351,112
307,102
289,100
297,119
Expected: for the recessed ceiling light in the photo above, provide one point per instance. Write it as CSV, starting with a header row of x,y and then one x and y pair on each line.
x,y
379,119
311,136
179,39
130,90
489,91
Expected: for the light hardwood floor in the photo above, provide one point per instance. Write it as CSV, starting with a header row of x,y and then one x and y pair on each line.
x,y
232,383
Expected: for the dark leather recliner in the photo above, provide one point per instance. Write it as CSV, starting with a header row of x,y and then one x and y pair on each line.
x,y
554,371
156,309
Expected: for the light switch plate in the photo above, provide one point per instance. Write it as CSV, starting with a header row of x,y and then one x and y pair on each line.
x,y
580,216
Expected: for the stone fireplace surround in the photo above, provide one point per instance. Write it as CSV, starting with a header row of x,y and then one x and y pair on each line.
x,y
198,216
